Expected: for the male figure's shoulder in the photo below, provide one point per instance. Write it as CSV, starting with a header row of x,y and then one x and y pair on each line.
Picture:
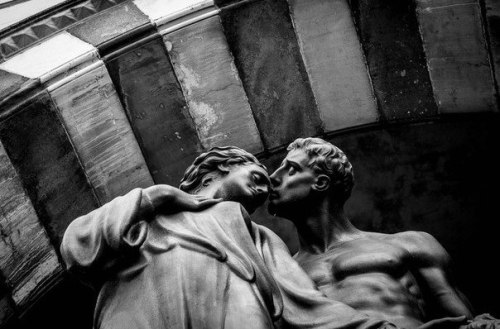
x,y
423,247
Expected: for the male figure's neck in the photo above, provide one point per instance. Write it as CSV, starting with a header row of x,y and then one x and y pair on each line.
x,y
323,226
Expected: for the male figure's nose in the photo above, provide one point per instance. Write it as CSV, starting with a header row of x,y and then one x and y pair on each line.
x,y
274,179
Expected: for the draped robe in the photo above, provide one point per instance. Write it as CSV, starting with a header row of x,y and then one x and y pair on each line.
x,y
210,269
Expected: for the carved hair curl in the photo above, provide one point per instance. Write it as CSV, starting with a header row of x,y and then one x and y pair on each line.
x,y
326,158
218,160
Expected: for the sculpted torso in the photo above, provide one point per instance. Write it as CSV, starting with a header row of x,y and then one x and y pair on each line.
x,y
372,274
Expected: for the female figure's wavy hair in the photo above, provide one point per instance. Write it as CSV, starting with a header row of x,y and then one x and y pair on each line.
x,y
326,158
216,160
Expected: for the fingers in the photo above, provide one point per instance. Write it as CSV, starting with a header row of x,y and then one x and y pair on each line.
x,y
203,203
449,322
200,198
484,321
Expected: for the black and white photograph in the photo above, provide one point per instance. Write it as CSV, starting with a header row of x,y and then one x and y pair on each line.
x,y
249,164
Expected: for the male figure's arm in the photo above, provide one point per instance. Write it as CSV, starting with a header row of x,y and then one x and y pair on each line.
x,y
431,264
432,268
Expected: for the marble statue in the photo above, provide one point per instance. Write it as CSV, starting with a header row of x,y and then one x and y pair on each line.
x,y
166,258
403,278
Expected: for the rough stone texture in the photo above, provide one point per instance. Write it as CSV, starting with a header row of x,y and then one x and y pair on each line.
x,y
27,258
37,30
9,83
335,62
49,56
391,41
110,24
213,90
457,55
492,12
101,134
261,37
155,105
41,153
160,10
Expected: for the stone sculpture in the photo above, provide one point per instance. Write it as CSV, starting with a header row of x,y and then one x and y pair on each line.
x,y
164,258
403,278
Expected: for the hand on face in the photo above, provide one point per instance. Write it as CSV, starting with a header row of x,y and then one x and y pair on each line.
x,y
167,199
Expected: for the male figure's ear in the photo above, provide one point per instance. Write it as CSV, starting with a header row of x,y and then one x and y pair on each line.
x,y
322,183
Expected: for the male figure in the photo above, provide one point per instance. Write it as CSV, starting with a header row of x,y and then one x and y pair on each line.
x,y
403,278
163,267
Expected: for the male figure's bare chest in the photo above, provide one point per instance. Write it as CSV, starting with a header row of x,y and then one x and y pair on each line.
x,y
355,258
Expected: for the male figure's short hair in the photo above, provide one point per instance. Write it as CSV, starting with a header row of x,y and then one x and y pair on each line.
x,y
328,159
218,160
